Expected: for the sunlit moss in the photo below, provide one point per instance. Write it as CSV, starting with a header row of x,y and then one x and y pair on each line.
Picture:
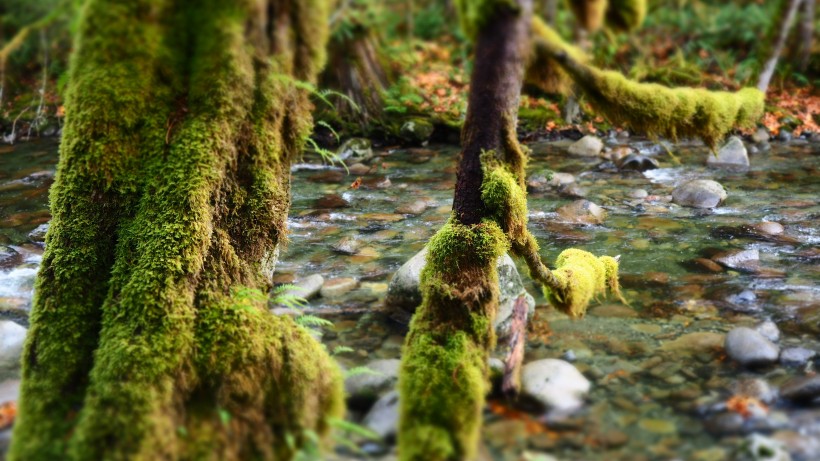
x,y
655,109
543,71
444,373
583,277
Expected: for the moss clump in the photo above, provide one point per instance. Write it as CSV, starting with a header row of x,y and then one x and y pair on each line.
x,y
655,109
504,199
582,276
476,13
444,375
625,15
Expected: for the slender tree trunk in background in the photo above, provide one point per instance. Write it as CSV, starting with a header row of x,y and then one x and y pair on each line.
x,y
549,10
443,380
787,20
150,335
806,34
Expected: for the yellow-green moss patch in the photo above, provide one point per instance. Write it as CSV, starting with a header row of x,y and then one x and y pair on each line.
x,y
583,276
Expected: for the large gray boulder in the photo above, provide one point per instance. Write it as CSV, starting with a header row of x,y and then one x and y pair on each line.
x,y
404,295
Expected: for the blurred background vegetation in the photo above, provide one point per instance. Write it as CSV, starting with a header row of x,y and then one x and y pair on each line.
x,y
400,61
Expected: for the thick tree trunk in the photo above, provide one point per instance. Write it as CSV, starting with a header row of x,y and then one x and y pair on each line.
x,y
150,336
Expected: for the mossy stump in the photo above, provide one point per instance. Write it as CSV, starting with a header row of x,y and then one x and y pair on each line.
x,y
150,336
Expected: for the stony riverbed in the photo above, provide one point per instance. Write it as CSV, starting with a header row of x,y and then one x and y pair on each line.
x,y
713,357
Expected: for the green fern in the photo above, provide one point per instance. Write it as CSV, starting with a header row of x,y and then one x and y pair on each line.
x,y
357,371
307,320
284,295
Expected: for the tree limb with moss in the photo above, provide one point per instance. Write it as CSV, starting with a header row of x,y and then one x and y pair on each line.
x,y
444,375
150,333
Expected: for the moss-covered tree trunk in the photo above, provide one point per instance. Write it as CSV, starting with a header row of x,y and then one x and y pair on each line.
x,y
444,366
150,336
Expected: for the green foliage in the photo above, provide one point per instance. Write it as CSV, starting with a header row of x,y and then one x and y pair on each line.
x,y
430,22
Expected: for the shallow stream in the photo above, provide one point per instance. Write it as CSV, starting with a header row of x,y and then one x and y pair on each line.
x,y
660,376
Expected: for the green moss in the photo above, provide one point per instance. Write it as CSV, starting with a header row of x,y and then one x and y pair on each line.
x,y
504,198
443,377
582,276
475,13
658,110
625,15
172,188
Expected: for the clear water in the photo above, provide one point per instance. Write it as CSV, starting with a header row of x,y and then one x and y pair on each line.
x,y
650,399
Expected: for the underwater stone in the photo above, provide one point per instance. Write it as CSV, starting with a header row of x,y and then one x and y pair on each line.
x,y
12,337
337,287
801,389
309,286
733,153
750,348
582,212
699,193
557,384
588,146
758,447
746,260
796,356
404,295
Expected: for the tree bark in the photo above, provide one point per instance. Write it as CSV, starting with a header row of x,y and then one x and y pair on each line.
x,y
150,335
444,375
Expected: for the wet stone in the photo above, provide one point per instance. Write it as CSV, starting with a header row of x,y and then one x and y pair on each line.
x,y
582,212
332,201
733,153
358,169
355,150
750,348
769,330
636,162
699,193
334,288
745,260
9,257
796,356
379,376
556,384
758,447
707,265
769,228
588,146
383,418
413,208
638,194
38,235
348,246
801,389
308,287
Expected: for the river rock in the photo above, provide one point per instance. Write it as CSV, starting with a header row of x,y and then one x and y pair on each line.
x,y
769,228
767,328
404,295
761,135
417,131
38,235
744,260
416,207
383,418
588,146
308,287
334,288
636,162
699,193
12,337
733,153
380,376
796,356
801,389
582,212
332,201
355,150
9,257
348,246
750,348
556,384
